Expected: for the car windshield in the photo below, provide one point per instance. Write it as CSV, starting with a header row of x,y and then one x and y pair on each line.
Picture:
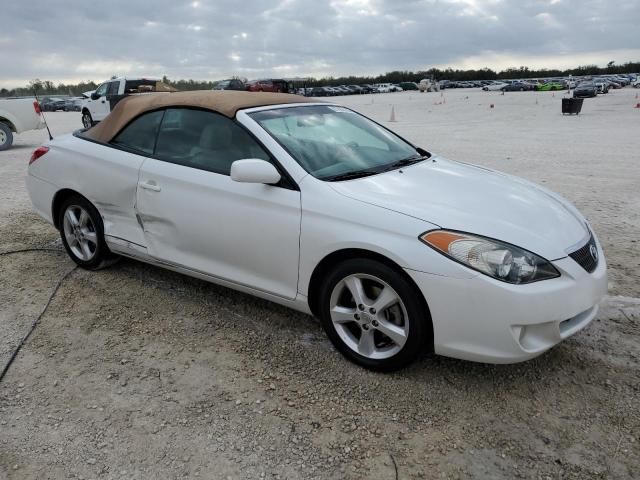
x,y
335,143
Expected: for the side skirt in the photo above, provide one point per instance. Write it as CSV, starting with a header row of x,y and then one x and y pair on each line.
x,y
138,252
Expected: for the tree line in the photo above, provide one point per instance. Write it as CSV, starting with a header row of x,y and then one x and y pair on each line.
x,y
47,87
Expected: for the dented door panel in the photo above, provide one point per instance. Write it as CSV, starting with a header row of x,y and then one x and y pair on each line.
x,y
240,232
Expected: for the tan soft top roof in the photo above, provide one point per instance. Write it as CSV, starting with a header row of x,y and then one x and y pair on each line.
x,y
226,102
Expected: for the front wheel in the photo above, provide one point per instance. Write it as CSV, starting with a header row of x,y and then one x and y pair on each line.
x,y
82,234
6,136
87,121
373,315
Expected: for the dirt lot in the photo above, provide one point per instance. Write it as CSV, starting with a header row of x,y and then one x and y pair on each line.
x,y
138,373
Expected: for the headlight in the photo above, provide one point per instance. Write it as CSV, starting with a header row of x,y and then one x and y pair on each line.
x,y
497,259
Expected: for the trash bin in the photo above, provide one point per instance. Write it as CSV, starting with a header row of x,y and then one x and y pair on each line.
x,y
572,106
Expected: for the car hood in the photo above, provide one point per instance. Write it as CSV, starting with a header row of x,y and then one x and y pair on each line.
x,y
473,199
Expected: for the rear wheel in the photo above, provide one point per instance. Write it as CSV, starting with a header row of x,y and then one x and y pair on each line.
x,y
82,234
87,121
373,315
6,136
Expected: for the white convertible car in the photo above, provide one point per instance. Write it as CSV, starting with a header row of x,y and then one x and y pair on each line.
x,y
314,206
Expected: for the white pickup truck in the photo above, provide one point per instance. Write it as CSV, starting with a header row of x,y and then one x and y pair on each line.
x,y
18,115
102,100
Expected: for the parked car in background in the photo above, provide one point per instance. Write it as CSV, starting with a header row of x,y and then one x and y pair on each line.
x,y
316,216
494,87
428,85
53,104
18,115
357,89
304,91
230,84
268,85
624,81
636,83
384,87
409,85
444,84
603,87
585,90
73,104
517,87
370,88
342,90
549,86
321,92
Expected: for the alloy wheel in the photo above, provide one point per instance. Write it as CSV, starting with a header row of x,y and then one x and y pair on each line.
x,y
80,233
369,316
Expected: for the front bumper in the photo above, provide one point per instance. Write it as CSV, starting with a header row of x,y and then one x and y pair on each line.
x,y
485,320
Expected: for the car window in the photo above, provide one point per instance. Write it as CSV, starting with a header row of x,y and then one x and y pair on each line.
x,y
204,140
101,91
113,88
140,134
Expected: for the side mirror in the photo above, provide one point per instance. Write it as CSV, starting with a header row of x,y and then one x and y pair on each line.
x,y
94,96
254,170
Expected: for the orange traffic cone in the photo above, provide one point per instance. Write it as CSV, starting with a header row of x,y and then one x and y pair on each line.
x,y
392,117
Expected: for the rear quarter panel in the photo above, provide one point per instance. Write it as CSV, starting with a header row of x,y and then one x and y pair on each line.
x,y
106,176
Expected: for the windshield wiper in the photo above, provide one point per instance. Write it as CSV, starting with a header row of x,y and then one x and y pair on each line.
x,y
365,173
403,162
351,175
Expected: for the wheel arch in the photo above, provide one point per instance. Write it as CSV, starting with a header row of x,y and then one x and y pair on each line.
x,y
59,198
334,258
8,123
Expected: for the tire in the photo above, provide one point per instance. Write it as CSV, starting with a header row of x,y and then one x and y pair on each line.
x,y
82,234
358,330
6,136
87,121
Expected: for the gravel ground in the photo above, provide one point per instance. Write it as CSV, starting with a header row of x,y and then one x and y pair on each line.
x,y
137,372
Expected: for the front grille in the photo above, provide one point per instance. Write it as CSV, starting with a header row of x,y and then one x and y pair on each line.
x,y
587,255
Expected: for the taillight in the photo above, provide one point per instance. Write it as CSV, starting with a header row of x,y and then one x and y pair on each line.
x,y
36,107
40,151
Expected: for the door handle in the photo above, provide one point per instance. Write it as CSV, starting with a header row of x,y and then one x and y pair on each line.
x,y
102,101
149,186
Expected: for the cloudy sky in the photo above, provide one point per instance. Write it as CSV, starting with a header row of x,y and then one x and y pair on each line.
x,y
69,40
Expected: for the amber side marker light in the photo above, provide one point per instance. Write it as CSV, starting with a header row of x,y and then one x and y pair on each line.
x,y
441,240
